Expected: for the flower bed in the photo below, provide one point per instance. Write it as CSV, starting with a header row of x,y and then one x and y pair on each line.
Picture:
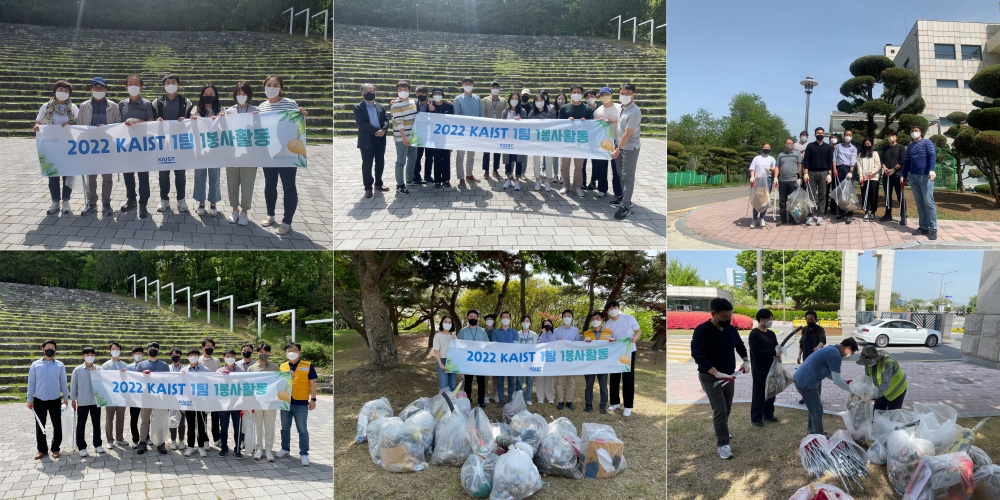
x,y
680,320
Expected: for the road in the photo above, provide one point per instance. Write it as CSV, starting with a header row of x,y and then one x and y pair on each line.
x,y
678,199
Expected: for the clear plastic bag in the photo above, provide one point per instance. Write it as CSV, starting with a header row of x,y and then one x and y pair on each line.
x,y
605,436
965,439
820,491
439,406
477,475
373,431
501,435
401,446
876,452
557,456
778,379
175,418
412,408
760,198
515,476
903,454
370,412
943,476
515,406
564,427
425,421
986,480
979,457
799,205
529,428
450,445
462,403
479,433
846,198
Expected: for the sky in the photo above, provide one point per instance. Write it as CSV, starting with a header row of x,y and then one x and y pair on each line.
x,y
911,269
719,48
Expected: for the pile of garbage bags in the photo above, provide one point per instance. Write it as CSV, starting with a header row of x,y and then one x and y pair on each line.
x,y
450,444
370,412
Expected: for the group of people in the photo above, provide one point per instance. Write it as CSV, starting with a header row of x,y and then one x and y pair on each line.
x,y
48,392
611,324
714,342
821,167
374,122
98,110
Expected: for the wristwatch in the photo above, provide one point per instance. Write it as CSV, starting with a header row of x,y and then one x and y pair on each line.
x,y
312,399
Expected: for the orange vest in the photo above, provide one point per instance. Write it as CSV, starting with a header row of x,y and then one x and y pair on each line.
x,y
300,380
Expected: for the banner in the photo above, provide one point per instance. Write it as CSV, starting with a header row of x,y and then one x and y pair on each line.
x,y
562,138
273,139
193,391
561,357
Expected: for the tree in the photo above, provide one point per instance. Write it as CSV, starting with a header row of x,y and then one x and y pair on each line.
x,y
700,129
898,85
676,157
679,274
971,307
810,276
750,124
371,269
714,160
981,140
959,120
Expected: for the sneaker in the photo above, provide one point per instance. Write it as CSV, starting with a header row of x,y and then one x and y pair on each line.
x,y
189,451
725,452
564,190
506,184
865,218
809,221
182,205
108,211
267,221
557,180
121,444
570,406
142,448
163,206
269,456
201,209
932,235
212,210
217,444
284,228
622,213
235,216
771,419
402,190
39,455
613,407
617,202
87,210
560,405
579,192
162,449
496,398
447,184
281,454
129,205
627,412
305,459
202,452
517,185
604,410
753,224
135,445
548,187
529,402
802,401
849,219
65,208
758,424
223,452
238,455
919,231
83,454
538,185
143,212
602,194
819,221
763,223
257,454
244,220
588,409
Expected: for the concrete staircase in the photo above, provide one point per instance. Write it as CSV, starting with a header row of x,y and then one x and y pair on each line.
x,y
384,56
34,57
30,315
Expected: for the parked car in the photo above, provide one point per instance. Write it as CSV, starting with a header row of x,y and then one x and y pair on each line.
x,y
883,332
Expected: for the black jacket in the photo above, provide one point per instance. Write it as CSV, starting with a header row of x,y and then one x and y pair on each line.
x,y
763,345
185,106
366,132
817,157
892,156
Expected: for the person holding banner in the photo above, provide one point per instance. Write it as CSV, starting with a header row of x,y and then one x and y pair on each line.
x,y
467,104
372,126
211,364
575,110
115,415
514,112
172,106
247,350
607,111
59,111
627,135
233,416
477,333
263,420
597,331
546,385
177,435
442,340
403,111
135,411
507,335
622,326
441,157
540,111
134,110
491,382
422,107
303,399
239,180
81,392
46,390
95,112
154,421
274,90
196,421
526,336
493,106
566,384
208,107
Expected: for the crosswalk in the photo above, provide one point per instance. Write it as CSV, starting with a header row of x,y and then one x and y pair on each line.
x,y
679,347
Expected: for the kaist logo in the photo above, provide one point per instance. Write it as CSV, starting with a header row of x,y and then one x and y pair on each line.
x,y
165,160
535,368
506,146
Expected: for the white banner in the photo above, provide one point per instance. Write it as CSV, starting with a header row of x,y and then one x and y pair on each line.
x,y
561,357
563,138
273,139
193,391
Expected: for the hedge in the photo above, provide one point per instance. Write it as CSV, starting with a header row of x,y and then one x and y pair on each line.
x,y
682,320
792,314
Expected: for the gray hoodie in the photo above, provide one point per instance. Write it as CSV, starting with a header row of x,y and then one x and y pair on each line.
x,y
81,389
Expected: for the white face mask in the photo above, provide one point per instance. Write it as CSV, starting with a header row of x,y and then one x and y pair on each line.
x,y
137,357
494,91
833,141
915,135
62,96
591,100
403,94
467,88
230,361
489,322
847,138
241,99
525,325
272,92
595,324
170,88
576,97
568,321
505,321
192,359
98,94
614,313
89,359
539,104
292,356
446,327
803,139
560,101
625,99
134,90
513,102
115,354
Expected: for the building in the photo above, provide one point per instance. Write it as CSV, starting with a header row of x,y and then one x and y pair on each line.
x,y
694,298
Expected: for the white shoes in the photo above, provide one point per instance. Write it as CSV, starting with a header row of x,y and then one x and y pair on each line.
x,y
627,412
53,208
99,449
122,444
601,194
201,209
282,453
234,217
517,185
212,211
244,220
612,407
182,205
189,451
82,453
284,228
269,455
257,454
819,221
305,460
202,453
548,187
763,223
529,402
65,208
579,192
506,184
496,399
164,206
267,221
725,452
564,190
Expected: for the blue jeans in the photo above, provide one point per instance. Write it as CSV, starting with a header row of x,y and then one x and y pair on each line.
x,y
445,379
923,195
214,191
510,388
406,156
300,413
527,384
814,404
224,418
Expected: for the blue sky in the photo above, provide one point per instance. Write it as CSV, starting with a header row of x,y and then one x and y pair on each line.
x,y
911,275
721,47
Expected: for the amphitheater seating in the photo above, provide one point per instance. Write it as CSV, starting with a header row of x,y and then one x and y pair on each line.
x,y
29,315
384,56
34,57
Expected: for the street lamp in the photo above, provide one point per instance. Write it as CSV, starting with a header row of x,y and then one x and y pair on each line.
x,y
218,291
941,290
809,84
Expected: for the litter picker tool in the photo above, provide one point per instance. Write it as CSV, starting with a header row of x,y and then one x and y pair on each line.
x,y
726,381
40,424
902,201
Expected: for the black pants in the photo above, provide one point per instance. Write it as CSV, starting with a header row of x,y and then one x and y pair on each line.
x,y
196,422
143,186
133,423
869,196
584,172
480,387
375,155
180,179
721,399
48,408
442,165
82,412
628,386
842,171
486,162
884,404
600,174
602,382
58,189
290,200
892,185
216,431
616,179
416,167
785,189
760,408
510,166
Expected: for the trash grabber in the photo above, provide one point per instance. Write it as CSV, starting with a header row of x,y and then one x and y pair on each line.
x,y
75,430
867,188
902,200
40,425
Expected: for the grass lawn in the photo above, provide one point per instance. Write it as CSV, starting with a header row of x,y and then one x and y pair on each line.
x,y
766,462
357,477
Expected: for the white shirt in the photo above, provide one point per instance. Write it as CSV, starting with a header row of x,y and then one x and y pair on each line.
x,y
528,337
760,166
624,326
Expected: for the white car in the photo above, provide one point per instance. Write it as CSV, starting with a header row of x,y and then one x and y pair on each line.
x,y
883,332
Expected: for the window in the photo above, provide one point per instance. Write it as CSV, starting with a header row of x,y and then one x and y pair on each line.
x,y
966,84
972,53
942,51
907,324
907,63
948,84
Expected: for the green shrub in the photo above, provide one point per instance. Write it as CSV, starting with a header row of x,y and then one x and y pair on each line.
x,y
982,188
317,352
791,314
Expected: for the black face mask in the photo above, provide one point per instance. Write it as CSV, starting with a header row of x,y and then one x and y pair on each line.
x,y
524,98
369,96
153,353
208,99
421,98
209,350
725,323
50,352
473,322
819,138
175,359
247,354
765,151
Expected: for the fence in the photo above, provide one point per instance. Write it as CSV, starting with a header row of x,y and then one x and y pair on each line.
x,y
925,320
864,317
689,178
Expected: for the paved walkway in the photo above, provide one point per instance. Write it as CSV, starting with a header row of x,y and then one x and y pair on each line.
x,y
486,216
969,388
24,198
123,474
728,224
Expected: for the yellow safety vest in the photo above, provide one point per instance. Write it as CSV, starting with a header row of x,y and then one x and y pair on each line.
x,y
300,380
898,383
604,335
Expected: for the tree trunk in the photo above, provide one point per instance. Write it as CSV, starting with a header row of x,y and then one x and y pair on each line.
x,y
590,289
453,304
350,318
370,275
524,285
620,281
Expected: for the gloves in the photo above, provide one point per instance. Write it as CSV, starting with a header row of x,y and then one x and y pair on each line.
x,y
722,376
799,182
746,367
779,351
848,382
226,372
776,183
751,183
828,179
933,175
850,175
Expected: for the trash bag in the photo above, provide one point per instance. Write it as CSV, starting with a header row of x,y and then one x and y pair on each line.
x,y
373,431
564,427
862,389
557,456
529,428
479,433
903,454
462,403
964,440
401,446
846,198
778,379
425,421
515,476
175,417
943,476
760,198
858,421
602,453
501,435
886,421
876,452
799,205
371,411
814,456
414,407
979,457
450,445
477,475
439,406
820,491
515,406
987,482
841,445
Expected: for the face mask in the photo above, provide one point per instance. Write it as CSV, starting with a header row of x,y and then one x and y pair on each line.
x,y
803,139
915,135
765,152
209,351
98,95
505,321
811,323
170,88
89,359
208,99
446,327
192,359
819,138
62,96
768,323
614,313
489,322
230,361
176,359
591,101
369,96
272,92
788,147
576,97
625,99
473,322
513,102
494,91
726,323
292,356
403,94
525,98
241,99
247,354
137,357
568,321
133,91
525,325
115,354
847,138
154,352
833,141
595,324
421,98
605,99
263,357
561,101
467,88
539,104
438,98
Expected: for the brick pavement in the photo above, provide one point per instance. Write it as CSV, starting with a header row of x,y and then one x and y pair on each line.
x,y
123,474
728,224
971,389
24,198
489,217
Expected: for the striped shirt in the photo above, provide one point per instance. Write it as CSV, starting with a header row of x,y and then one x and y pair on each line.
x,y
282,105
403,113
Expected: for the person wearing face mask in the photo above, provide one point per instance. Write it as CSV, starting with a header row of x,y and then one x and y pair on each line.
x,y
596,331
559,101
846,158
135,411
789,170
373,124
800,147
764,349
817,163
59,110
246,356
622,325
473,331
441,343
546,385
263,420
134,110
575,110
239,180
566,384
403,112
155,422
712,345
888,376
423,106
526,336
172,106
893,156
493,106
274,90
761,170
590,97
489,322
466,104
46,390
813,339
114,416
627,147
869,172
98,111
177,435
514,164
825,363
540,111
303,401
526,102
208,107
918,168
196,422
442,157
607,110
505,333
212,364
231,416
81,392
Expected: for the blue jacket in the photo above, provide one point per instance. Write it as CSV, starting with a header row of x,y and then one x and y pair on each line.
x,y
920,158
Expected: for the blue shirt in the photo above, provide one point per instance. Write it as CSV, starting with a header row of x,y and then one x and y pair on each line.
x,y
846,155
132,367
547,337
372,114
818,366
99,113
508,336
920,158
153,366
47,380
570,333
468,105
473,333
